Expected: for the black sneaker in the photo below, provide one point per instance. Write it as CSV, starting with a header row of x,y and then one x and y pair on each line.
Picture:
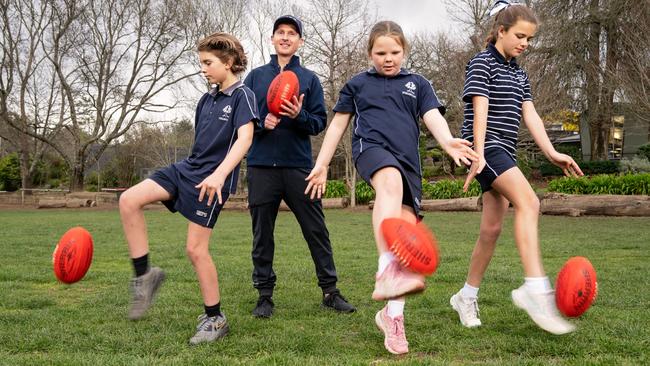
x,y
264,307
334,300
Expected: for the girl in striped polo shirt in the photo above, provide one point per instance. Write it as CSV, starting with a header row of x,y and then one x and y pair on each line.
x,y
497,95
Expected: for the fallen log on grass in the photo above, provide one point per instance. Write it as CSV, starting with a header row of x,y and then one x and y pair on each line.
x,y
452,204
603,204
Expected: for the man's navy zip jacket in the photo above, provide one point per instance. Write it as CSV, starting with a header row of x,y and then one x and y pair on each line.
x,y
289,144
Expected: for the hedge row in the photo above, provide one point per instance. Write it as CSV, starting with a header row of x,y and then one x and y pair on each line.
x,y
603,184
587,167
442,189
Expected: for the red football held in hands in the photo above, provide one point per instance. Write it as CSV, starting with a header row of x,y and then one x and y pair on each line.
x,y
283,87
413,244
72,256
576,287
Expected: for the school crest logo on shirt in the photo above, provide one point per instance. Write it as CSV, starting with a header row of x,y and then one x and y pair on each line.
x,y
410,88
226,113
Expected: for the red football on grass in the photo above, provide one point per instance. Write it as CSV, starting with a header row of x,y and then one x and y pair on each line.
x,y
413,244
283,87
73,254
576,287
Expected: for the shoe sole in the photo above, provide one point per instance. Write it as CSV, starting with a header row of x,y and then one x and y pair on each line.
x,y
453,306
156,287
383,297
520,304
323,306
380,325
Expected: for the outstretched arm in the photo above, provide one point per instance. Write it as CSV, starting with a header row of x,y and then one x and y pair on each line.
x,y
458,149
318,177
214,182
536,127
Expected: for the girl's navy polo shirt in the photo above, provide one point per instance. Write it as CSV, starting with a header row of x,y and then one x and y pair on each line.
x,y
506,86
219,114
387,112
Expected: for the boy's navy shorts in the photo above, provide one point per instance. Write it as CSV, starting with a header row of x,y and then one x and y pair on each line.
x,y
185,197
497,161
375,158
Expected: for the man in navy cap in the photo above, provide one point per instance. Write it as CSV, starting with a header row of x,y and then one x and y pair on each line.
x,y
278,163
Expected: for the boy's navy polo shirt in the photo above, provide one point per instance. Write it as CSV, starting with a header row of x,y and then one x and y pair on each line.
x,y
387,112
506,86
289,144
219,114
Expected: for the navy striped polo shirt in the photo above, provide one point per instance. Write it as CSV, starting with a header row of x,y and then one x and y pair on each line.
x,y
506,86
387,112
219,114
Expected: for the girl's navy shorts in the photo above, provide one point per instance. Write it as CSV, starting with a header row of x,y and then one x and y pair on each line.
x,y
497,161
375,158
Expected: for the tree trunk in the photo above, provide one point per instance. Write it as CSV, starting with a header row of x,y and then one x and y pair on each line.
x,y
599,138
24,169
77,172
593,85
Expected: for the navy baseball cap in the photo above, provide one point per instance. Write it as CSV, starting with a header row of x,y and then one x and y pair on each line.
x,y
288,19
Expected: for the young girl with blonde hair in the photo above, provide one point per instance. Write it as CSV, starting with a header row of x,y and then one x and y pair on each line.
x,y
387,102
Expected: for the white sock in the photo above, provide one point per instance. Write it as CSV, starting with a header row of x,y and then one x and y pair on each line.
x,y
469,292
538,285
395,308
384,260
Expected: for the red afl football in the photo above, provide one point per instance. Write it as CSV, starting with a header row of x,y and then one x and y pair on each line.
x,y
413,244
576,287
283,87
72,256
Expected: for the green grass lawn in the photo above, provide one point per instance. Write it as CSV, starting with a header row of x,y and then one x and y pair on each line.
x,y
46,322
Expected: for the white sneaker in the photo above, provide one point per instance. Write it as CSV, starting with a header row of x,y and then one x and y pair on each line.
x,y
467,309
542,309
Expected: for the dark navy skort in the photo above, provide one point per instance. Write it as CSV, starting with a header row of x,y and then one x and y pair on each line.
x,y
185,197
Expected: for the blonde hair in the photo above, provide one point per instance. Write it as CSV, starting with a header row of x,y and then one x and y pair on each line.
x,y
508,17
389,29
227,48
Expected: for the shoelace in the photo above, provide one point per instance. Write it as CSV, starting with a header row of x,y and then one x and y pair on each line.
x,y
138,289
399,328
471,309
547,305
336,295
206,324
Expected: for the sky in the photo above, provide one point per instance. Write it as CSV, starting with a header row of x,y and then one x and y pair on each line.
x,y
416,15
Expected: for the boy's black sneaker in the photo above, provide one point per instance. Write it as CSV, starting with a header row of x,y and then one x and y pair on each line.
x,y
334,300
264,307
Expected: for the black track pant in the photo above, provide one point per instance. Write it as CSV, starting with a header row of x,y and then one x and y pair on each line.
x,y
267,186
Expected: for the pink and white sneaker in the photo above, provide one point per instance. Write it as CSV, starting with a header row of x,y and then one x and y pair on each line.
x,y
397,281
393,329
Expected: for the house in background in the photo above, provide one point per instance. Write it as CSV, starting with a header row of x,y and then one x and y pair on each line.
x,y
626,135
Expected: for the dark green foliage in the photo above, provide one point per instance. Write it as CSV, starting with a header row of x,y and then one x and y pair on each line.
x,y
364,192
10,173
588,167
571,150
644,151
603,184
336,189
447,188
